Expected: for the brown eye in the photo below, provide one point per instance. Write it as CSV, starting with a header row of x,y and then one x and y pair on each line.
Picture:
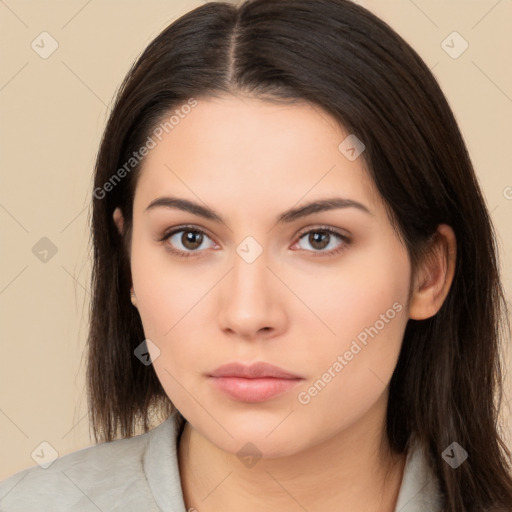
x,y
186,241
191,239
321,239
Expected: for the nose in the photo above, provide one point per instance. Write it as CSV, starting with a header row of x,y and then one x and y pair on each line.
x,y
251,301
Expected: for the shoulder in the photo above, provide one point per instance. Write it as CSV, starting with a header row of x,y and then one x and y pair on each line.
x,y
107,476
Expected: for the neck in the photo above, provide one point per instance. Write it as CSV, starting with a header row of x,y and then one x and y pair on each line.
x,y
355,468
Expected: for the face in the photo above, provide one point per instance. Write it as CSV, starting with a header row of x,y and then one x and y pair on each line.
x,y
320,293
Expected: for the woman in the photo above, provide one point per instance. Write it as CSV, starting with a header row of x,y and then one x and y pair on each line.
x,y
293,266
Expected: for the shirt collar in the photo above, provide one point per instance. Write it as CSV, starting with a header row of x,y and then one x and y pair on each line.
x,y
160,463
420,487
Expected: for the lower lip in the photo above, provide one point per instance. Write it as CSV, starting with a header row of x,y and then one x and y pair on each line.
x,y
253,390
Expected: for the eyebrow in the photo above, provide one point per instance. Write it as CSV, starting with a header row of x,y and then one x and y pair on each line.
x,y
288,216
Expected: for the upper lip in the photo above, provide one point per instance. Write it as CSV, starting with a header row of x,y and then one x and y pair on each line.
x,y
253,371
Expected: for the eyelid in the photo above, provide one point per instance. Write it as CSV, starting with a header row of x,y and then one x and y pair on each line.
x,y
184,227
346,239
322,227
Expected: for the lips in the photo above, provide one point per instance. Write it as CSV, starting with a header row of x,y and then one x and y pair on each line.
x,y
257,382
253,371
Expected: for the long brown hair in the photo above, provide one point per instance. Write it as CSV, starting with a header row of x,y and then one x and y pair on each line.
x,y
447,384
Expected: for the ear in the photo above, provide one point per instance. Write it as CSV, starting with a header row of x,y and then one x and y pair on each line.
x,y
435,275
118,220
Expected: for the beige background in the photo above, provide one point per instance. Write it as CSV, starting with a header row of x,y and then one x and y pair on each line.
x,y
53,113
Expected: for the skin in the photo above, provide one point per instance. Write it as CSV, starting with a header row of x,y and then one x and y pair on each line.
x,y
294,306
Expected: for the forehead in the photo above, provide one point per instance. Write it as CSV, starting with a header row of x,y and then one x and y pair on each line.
x,y
259,153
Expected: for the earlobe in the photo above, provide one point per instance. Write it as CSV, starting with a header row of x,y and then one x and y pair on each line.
x,y
133,297
434,278
118,220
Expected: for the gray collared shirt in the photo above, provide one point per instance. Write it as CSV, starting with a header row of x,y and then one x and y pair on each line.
x,y
142,474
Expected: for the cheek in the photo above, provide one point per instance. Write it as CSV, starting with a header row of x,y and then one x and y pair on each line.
x,y
359,293
171,299
347,378
167,290
365,306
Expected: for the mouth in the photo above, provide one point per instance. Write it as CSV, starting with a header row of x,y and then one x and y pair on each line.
x,y
257,382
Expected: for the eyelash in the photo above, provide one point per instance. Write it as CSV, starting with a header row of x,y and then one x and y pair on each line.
x,y
321,229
